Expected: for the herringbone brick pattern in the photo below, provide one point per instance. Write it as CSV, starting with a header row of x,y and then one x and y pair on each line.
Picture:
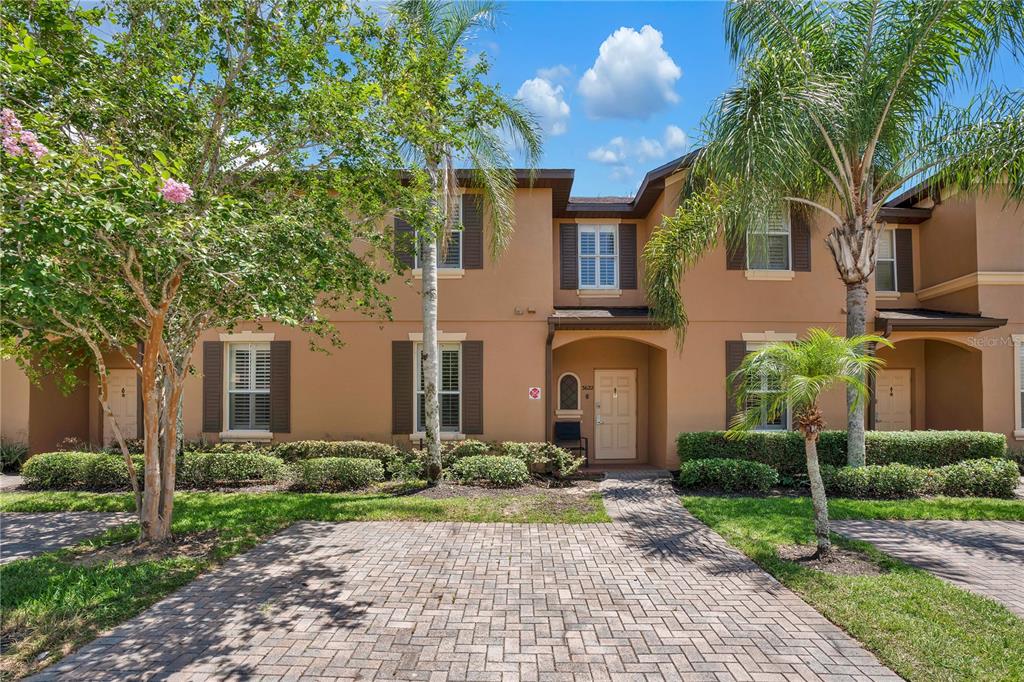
x,y
986,557
655,595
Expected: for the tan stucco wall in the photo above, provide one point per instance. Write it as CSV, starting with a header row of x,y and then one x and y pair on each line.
x,y
14,411
948,241
54,415
953,387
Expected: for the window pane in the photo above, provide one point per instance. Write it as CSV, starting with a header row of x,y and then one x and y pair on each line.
x,y
778,252
885,276
607,243
588,272
241,359
885,248
240,411
421,413
568,393
449,370
453,257
607,272
587,243
261,412
262,378
449,412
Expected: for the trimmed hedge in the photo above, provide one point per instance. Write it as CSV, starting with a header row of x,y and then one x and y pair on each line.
x,y
208,469
784,450
995,477
78,471
730,475
500,471
350,449
336,473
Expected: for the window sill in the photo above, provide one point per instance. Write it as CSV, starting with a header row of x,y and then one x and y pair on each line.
x,y
442,273
770,275
258,436
1018,434
599,293
569,414
445,435
887,295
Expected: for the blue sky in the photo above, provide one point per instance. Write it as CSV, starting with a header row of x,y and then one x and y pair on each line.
x,y
644,86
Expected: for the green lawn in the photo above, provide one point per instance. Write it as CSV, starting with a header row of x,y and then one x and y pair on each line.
x,y
921,627
50,604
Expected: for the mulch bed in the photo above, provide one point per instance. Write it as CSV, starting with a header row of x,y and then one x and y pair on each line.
x,y
840,561
194,545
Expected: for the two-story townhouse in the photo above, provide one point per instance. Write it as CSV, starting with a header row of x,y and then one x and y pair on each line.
x,y
558,330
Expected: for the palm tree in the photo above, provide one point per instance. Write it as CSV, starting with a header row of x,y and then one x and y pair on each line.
x,y
840,105
443,114
799,372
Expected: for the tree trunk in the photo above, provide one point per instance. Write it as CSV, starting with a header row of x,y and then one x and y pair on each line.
x,y
856,324
429,350
168,456
817,494
151,527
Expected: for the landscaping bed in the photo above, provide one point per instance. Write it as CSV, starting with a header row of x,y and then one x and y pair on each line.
x,y
918,625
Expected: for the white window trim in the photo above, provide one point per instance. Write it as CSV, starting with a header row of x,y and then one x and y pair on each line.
x,y
1018,344
752,345
774,273
895,291
599,293
228,433
767,336
417,359
442,273
605,289
578,412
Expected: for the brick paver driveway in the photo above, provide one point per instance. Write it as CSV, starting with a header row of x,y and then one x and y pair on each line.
x,y
655,595
986,557
24,535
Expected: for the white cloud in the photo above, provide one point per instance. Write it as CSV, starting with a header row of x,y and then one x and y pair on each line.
x,y
615,152
632,77
547,102
554,73
675,139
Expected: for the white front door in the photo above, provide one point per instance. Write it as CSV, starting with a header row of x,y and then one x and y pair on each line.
x,y
123,403
615,414
892,400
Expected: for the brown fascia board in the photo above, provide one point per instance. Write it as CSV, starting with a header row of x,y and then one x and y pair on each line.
x,y
965,324
904,216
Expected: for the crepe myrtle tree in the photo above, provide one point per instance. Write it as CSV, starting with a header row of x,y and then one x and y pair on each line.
x,y
799,372
444,114
211,177
839,106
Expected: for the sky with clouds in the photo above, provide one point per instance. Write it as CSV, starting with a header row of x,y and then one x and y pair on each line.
x,y
619,87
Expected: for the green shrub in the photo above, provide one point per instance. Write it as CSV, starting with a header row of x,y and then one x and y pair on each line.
x,y
12,455
730,475
314,449
234,447
336,473
136,446
888,481
994,477
541,457
79,471
500,471
208,469
453,451
784,450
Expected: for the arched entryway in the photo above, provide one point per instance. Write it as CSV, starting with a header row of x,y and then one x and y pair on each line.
x,y
929,383
615,388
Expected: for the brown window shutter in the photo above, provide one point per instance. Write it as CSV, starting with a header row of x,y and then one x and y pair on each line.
x,y
405,253
473,387
800,234
736,253
213,386
905,259
735,351
627,256
280,386
401,387
568,256
472,231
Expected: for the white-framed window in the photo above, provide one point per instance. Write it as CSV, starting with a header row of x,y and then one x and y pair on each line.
x,y
248,386
450,257
761,389
885,270
1018,385
568,392
449,388
599,256
769,248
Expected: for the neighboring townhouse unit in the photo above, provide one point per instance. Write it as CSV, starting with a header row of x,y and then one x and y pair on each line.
x,y
558,330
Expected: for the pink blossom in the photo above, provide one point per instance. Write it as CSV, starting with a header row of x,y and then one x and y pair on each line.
x,y
35,147
16,140
175,192
11,146
9,122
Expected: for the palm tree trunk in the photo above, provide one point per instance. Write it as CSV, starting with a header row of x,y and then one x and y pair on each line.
x,y
856,324
429,350
817,495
